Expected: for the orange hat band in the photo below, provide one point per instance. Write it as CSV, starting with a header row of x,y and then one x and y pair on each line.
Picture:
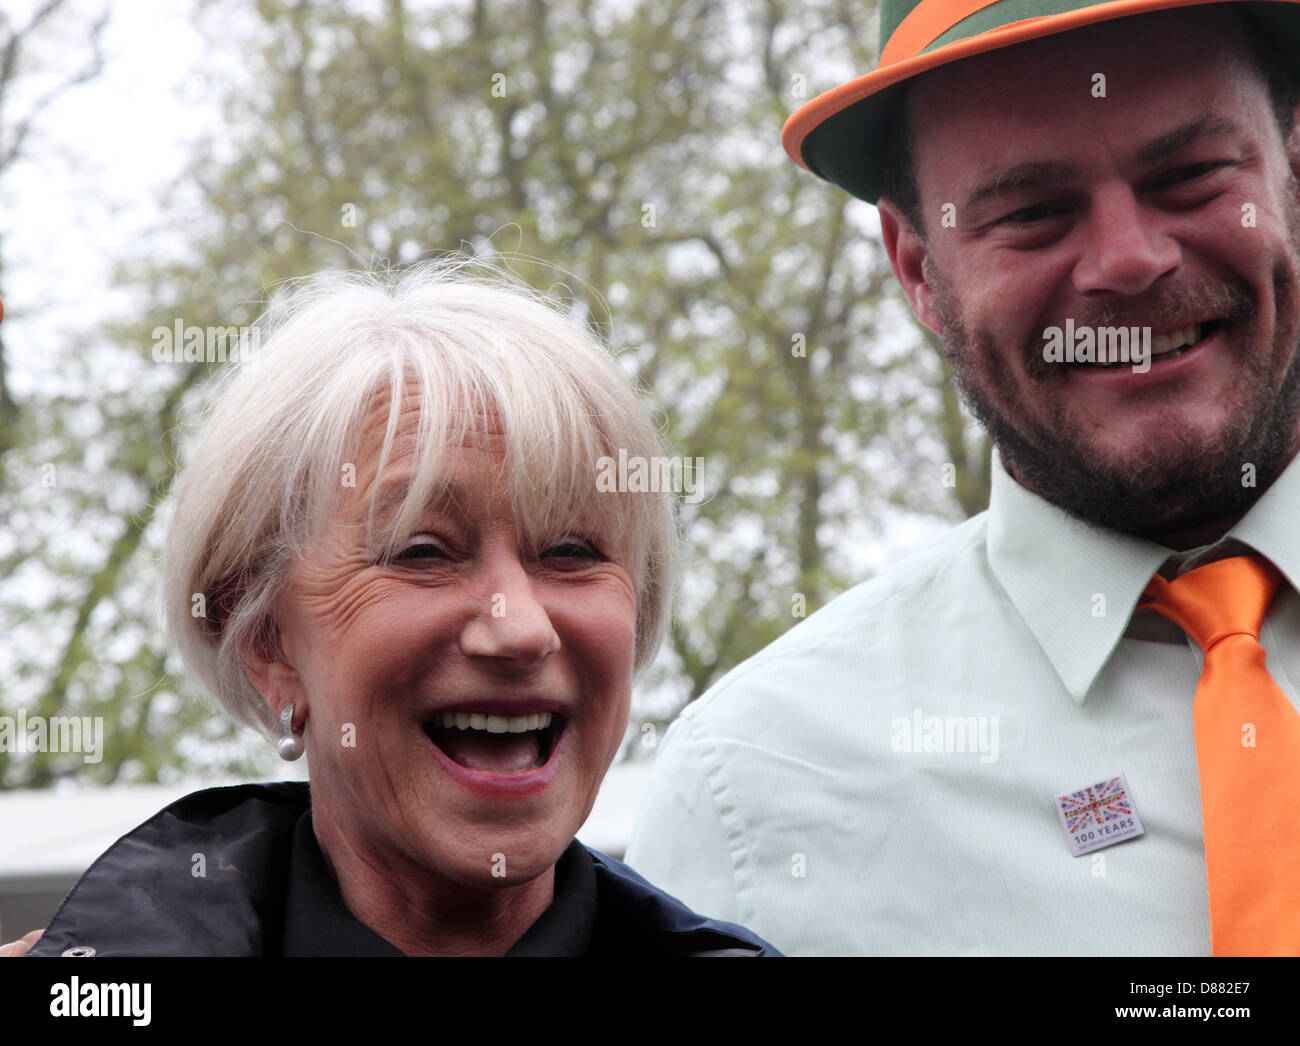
x,y
925,23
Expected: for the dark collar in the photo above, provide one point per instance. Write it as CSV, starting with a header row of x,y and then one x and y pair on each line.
x,y
317,922
567,926
266,889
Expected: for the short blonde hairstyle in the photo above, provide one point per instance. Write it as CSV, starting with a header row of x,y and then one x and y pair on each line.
x,y
458,345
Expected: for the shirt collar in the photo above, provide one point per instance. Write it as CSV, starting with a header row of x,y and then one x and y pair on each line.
x,y
1076,585
1272,526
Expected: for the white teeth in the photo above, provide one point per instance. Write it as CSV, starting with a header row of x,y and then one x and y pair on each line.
x,y
1189,335
493,724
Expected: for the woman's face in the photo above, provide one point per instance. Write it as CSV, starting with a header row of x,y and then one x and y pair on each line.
x,y
464,698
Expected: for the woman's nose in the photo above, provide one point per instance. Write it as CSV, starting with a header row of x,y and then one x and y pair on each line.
x,y
511,625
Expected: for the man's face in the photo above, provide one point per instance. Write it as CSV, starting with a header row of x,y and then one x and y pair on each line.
x,y
1165,203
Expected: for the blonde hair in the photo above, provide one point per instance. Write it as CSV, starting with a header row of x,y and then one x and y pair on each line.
x,y
266,470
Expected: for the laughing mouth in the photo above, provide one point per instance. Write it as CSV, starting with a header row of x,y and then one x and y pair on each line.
x,y
1169,345
495,743
1172,344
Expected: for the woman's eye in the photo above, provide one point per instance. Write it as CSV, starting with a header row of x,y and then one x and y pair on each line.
x,y
574,550
421,550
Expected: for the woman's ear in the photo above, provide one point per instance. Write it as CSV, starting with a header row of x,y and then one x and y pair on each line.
x,y
273,675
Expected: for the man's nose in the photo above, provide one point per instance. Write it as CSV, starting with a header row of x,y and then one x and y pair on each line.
x,y
1125,250
511,625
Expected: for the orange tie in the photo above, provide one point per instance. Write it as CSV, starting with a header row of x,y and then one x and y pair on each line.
x,y
1248,753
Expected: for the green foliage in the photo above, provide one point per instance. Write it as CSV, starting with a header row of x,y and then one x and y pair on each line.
x,y
633,146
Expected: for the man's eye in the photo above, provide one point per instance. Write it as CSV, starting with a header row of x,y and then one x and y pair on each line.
x,y
1189,173
1028,215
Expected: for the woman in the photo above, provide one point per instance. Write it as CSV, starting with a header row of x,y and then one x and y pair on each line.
x,y
389,550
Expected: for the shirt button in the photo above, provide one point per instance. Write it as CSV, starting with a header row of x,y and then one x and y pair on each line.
x,y
79,951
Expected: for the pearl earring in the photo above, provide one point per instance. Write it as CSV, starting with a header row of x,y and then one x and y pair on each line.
x,y
290,745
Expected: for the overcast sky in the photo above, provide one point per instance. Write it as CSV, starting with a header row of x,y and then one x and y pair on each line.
x,y
86,194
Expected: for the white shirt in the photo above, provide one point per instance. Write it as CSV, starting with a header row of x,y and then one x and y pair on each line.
x,y
797,798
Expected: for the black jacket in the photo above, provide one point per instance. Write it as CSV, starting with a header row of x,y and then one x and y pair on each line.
x,y
237,871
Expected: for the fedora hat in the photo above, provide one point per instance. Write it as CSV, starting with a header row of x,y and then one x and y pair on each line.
x,y
840,135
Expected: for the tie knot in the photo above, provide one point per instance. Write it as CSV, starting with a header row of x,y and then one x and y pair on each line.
x,y
1224,598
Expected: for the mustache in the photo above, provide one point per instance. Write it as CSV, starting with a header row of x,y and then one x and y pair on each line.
x,y
1172,306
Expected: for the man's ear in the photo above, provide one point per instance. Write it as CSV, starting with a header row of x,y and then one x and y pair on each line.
x,y
1293,143
907,253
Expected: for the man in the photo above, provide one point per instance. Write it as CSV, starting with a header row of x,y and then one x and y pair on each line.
x,y
993,748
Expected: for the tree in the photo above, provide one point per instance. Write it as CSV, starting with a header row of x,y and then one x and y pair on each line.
x,y
637,147
18,117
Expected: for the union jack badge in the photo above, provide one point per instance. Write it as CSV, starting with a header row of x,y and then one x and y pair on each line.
x,y
1099,815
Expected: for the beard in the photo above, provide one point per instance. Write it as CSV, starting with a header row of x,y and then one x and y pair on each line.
x,y
1183,479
